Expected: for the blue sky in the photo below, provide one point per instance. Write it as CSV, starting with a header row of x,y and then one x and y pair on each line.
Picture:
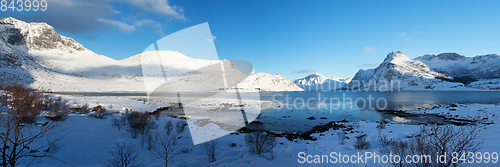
x,y
295,38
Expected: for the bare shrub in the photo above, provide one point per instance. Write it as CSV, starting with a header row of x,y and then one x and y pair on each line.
x,y
166,148
437,140
210,148
179,126
260,142
341,137
123,155
149,140
119,122
134,132
397,147
383,140
361,143
21,99
139,123
20,136
59,116
99,112
58,109
84,109
169,127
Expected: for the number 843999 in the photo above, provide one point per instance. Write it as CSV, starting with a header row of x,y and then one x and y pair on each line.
x,y
23,5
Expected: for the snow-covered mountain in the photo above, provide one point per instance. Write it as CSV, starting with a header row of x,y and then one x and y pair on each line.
x,y
455,65
483,72
268,82
318,82
313,79
361,77
398,72
44,59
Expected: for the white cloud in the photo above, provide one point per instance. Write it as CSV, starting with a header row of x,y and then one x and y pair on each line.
x,y
123,26
300,71
406,37
212,39
143,22
89,16
157,27
369,65
160,7
369,50
73,16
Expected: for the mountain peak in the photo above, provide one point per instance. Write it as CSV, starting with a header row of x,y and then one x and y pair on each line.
x,y
317,81
36,36
396,57
317,75
441,56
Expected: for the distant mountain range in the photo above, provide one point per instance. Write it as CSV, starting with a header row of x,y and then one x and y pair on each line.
x,y
446,71
44,59
455,65
318,82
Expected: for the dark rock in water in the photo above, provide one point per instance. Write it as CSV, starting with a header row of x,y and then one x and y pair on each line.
x,y
453,105
344,120
333,125
323,118
311,118
257,122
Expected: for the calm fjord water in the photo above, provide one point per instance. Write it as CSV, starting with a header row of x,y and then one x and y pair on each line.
x,y
291,115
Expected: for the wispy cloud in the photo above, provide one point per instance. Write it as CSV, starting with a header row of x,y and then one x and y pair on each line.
x,y
157,27
407,37
161,7
301,71
121,25
73,16
369,65
369,50
212,39
88,16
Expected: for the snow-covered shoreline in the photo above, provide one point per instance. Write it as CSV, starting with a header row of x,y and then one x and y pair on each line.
x,y
479,113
